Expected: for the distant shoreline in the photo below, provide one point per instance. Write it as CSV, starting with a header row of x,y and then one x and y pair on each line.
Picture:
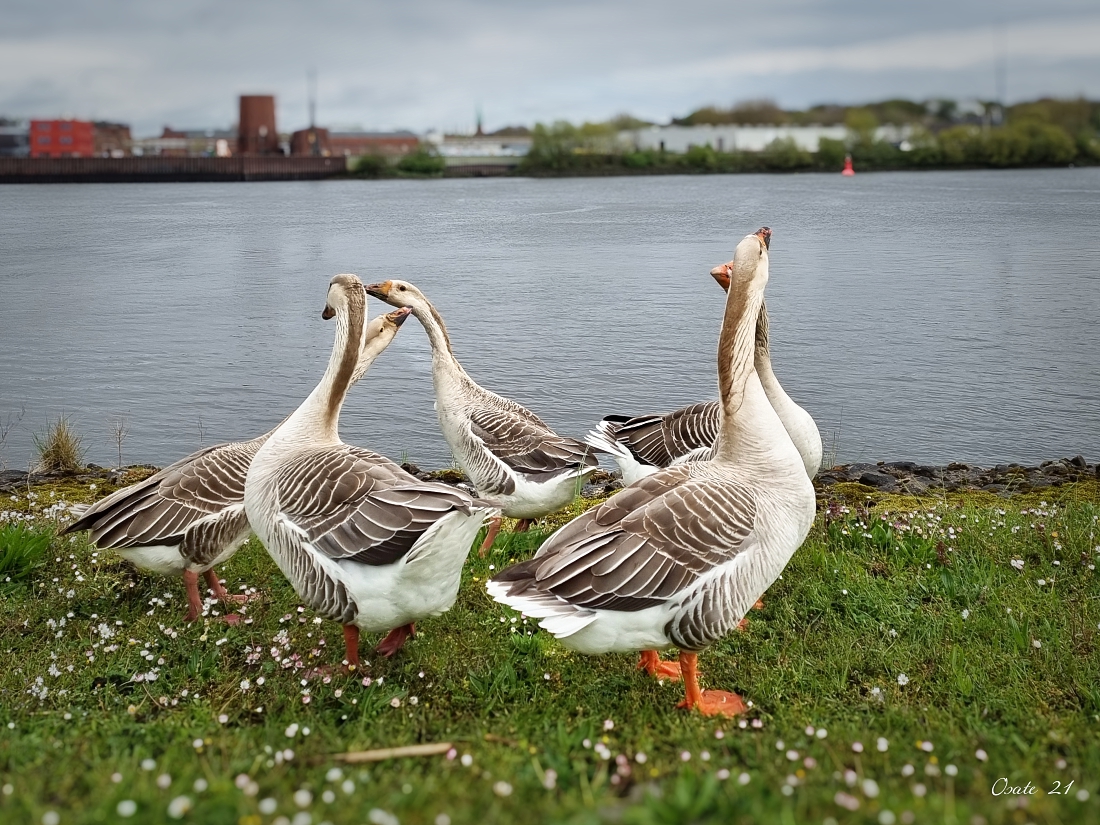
x,y
264,169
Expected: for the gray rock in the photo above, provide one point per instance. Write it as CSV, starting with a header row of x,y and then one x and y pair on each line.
x,y
900,466
878,480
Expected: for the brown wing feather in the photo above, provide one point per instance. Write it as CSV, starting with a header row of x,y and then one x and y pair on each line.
x,y
161,508
528,447
357,505
643,545
658,440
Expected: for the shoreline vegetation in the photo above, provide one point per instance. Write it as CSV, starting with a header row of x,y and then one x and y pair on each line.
x,y
896,477
931,646
1037,134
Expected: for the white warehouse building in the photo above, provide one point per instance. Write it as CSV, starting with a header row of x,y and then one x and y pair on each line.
x,y
728,137
736,138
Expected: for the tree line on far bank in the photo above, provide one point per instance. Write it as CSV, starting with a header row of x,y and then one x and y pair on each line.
x,y
1040,133
939,135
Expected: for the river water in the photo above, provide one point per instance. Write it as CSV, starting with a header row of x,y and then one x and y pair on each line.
x,y
933,316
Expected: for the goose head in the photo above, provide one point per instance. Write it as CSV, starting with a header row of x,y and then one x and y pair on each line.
x,y
386,325
345,293
399,294
724,272
380,333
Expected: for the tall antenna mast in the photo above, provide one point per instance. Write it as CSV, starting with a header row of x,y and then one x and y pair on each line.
x,y
311,83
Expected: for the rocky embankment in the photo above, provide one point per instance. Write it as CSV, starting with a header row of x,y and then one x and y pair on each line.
x,y
885,476
916,479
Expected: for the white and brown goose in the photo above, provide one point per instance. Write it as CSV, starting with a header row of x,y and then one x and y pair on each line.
x,y
677,559
641,445
363,542
507,451
190,517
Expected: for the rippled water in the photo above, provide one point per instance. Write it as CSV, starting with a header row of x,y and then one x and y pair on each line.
x,y
928,316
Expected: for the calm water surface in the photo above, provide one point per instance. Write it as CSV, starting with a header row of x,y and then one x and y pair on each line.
x,y
928,316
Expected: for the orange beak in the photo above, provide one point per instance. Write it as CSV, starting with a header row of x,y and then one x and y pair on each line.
x,y
380,291
398,316
721,274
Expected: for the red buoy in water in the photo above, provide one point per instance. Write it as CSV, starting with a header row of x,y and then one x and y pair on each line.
x,y
848,171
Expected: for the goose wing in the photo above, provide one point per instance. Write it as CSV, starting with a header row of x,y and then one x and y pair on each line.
x,y
354,504
660,440
161,508
528,446
643,545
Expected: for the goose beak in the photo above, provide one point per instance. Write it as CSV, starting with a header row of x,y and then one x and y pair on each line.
x,y
398,316
721,274
328,313
765,236
380,291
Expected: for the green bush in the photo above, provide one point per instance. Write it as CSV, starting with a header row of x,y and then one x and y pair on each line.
x,y
372,166
423,162
639,160
1005,147
924,150
785,155
701,158
1046,143
877,154
962,145
1088,147
831,153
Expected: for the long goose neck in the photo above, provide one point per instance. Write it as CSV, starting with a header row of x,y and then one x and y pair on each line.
x,y
443,356
798,423
763,361
319,415
736,350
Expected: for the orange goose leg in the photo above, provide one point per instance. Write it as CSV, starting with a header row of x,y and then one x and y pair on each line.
x,y
524,524
194,598
225,597
351,646
651,663
707,702
220,593
490,536
396,638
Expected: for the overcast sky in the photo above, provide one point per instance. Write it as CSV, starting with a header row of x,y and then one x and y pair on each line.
x,y
421,64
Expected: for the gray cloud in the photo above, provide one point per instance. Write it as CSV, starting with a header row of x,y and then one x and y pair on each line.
x,y
430,64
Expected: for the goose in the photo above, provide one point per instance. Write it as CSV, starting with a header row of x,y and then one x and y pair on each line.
x,y
507,451
643,444
189,517
677,558
363,542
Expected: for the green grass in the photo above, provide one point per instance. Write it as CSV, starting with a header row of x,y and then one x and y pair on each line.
x,y
924,588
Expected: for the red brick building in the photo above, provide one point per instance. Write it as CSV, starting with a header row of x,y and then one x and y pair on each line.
x,y
387,144
111,140
61,139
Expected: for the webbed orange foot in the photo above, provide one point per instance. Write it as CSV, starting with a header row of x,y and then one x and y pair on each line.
x,y
652,664
716,703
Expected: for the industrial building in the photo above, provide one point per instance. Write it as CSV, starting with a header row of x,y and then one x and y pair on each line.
x,y
256,132
61,139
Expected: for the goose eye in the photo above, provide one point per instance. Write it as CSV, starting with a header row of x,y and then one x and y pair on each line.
x,y
402,288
